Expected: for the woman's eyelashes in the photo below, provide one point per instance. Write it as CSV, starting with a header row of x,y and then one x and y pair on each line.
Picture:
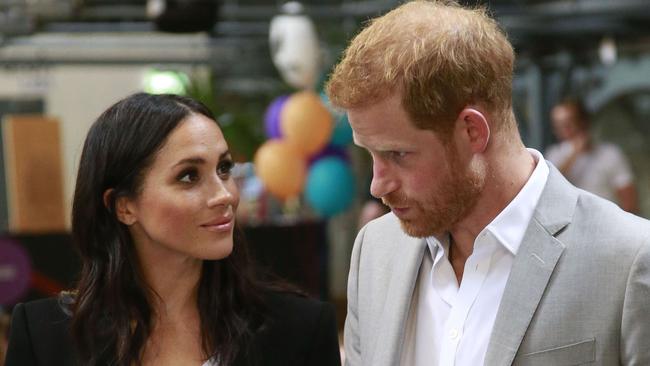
x,y
224,168
192,174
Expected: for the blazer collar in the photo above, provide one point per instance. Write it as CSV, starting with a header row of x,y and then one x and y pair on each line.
x,y
532,268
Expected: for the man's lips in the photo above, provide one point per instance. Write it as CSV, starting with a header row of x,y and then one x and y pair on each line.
x,y
398,205
399,211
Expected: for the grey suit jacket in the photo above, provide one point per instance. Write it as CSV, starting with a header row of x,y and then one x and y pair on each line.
x,y
578,292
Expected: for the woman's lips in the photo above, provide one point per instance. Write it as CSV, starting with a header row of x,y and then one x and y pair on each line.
x,y
222,224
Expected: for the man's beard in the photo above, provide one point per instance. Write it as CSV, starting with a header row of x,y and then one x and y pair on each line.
x,y
456,196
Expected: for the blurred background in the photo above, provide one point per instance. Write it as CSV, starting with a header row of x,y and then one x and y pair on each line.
x,y
260,65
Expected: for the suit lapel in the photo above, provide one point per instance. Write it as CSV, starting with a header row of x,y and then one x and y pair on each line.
x,y
393,319
529,276
531,270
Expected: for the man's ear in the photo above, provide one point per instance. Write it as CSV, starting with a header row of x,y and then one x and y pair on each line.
x,y
474,128
124,210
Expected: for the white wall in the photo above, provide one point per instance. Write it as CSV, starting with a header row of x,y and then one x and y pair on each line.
x,y
23,82
76,95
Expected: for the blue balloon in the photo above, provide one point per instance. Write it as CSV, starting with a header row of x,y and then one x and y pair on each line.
x,y
330,186
325,99
342,133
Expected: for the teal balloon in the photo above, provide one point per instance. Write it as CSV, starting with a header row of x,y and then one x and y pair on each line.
x,y
342,133
325,99
330,187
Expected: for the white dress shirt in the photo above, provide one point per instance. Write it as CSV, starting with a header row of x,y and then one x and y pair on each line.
x,y
451,324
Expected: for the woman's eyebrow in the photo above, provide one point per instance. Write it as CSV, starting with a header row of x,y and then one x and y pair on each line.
x,y
199,160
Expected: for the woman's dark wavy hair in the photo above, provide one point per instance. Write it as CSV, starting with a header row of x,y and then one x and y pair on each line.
x,y
111,311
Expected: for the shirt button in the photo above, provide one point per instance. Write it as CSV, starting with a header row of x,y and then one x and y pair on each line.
x,y
453,333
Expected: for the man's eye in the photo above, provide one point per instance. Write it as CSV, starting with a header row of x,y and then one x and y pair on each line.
x,y
225,168
189,176
397,154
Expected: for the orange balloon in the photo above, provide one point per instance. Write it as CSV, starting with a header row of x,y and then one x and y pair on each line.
x,y
281,167
306,122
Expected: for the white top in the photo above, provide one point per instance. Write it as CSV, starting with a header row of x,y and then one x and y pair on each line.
x,y
601,170
451,324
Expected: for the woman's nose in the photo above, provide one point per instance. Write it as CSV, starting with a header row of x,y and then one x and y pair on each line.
x,y
222,194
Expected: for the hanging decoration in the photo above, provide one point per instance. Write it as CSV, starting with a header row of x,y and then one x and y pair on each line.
x,y
305,153
294,46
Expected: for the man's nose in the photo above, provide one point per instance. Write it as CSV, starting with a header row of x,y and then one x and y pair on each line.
x,y
383,180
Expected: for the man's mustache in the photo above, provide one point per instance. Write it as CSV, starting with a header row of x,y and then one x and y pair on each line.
x,y
395,199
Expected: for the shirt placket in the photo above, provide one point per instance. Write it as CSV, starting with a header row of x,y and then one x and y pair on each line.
x,y
474,274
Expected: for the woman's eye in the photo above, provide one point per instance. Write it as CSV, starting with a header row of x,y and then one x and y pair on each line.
x,y
189,176
225,168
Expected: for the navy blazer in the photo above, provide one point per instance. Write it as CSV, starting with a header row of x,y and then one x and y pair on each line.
x,y
299,331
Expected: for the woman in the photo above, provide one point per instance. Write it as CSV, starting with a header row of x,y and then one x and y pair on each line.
x,y
165,280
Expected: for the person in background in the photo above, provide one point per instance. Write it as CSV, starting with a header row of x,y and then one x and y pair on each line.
x,y
489,255
598,167
371,209
166,279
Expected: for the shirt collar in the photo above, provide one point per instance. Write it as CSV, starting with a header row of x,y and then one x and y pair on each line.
x,y
510,225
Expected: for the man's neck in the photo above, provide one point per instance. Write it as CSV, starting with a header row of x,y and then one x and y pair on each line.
x,y
508,174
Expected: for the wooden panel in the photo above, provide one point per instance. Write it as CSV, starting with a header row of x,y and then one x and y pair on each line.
x,y
12,106
33,167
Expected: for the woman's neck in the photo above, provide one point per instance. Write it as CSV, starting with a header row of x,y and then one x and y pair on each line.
x,y
175,336
174,281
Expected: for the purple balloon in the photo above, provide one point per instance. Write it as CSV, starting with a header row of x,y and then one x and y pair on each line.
x,y
328,151
272,117
15,271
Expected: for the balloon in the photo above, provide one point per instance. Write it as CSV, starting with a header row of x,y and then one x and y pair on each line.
x,y
306,122
281,168
330,187
272,117
342,134
330,150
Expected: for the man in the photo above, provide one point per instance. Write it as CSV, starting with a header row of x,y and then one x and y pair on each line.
x,y
489,256
600,168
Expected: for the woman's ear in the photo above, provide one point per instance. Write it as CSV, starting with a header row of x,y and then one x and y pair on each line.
x,y
123,207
